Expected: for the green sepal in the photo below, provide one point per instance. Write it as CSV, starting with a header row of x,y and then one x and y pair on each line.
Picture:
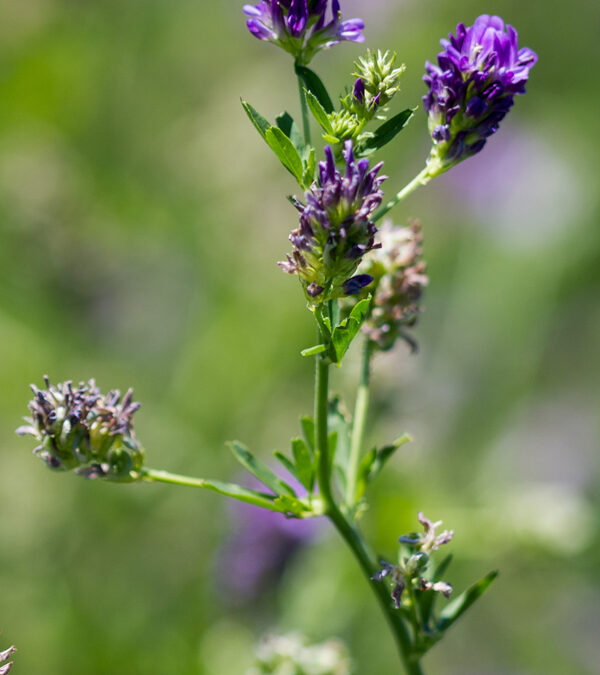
x,y
286,152
453,611
426,599
347,330
308,431
313,83
304,463
286,123
385,133
319,112
292,506
259,122
259,470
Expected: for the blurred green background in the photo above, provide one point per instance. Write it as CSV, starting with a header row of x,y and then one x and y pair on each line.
x,y
141,218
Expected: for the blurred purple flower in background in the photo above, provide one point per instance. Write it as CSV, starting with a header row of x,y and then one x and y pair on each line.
x,y
261,547
301,27
472,88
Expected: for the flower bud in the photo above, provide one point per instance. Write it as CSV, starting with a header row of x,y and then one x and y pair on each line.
x,y
83,430
4,655
378,81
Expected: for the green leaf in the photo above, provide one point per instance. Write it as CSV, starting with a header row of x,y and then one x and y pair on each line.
x,y
304,464
310,165
426,599
364,472
453,611
259,470
385,133
256,118
291,505
311,351
318,112
385,453
286,123
346,331
287,463
308,431
241,494
312,82
339,423
286,152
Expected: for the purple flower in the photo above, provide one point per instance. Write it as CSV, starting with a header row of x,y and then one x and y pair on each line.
x,y
336,229
472,88
301,26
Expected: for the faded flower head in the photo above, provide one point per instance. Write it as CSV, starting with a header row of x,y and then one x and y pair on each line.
x,y
3,657
302,27
400,279
292,654
336,229
413,569
377,80
472,88
82,429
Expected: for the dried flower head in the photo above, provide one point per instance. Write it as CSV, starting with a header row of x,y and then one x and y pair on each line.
x,y
83,430
336,229
3,657
472,88
413,569
301,26
400,279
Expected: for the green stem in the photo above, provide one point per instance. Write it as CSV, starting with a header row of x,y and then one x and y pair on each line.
x,y
361,408
305,115
421,179
349,533
156,476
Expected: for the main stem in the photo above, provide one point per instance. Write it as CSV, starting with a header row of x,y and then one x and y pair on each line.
x,y
361,409
418,181
349,533
304,108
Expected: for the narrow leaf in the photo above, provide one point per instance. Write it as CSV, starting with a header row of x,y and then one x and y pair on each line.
x,y
241,494
314,84
458,607
386,453
364,472
256,118
259,470
304,465
386,132
308,430
318,112
286,123
287,463
347,330
285,151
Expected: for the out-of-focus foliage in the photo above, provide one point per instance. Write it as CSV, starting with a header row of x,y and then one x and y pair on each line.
x,y
140,222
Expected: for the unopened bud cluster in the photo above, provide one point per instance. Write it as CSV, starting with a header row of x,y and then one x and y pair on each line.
x,y
400,279
378,81
81,429
413,568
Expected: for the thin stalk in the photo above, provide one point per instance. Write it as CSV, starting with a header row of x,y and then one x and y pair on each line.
x,y
418,181
305,115
361,408
156,476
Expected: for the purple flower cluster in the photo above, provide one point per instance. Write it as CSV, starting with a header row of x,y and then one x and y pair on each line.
x,y
336,229
301,27
472,88
82,429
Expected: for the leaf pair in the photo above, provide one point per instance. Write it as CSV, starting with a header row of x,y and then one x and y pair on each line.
x,y
286,142
339,339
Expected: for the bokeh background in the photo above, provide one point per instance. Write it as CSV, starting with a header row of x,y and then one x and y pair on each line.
x,y
141,218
